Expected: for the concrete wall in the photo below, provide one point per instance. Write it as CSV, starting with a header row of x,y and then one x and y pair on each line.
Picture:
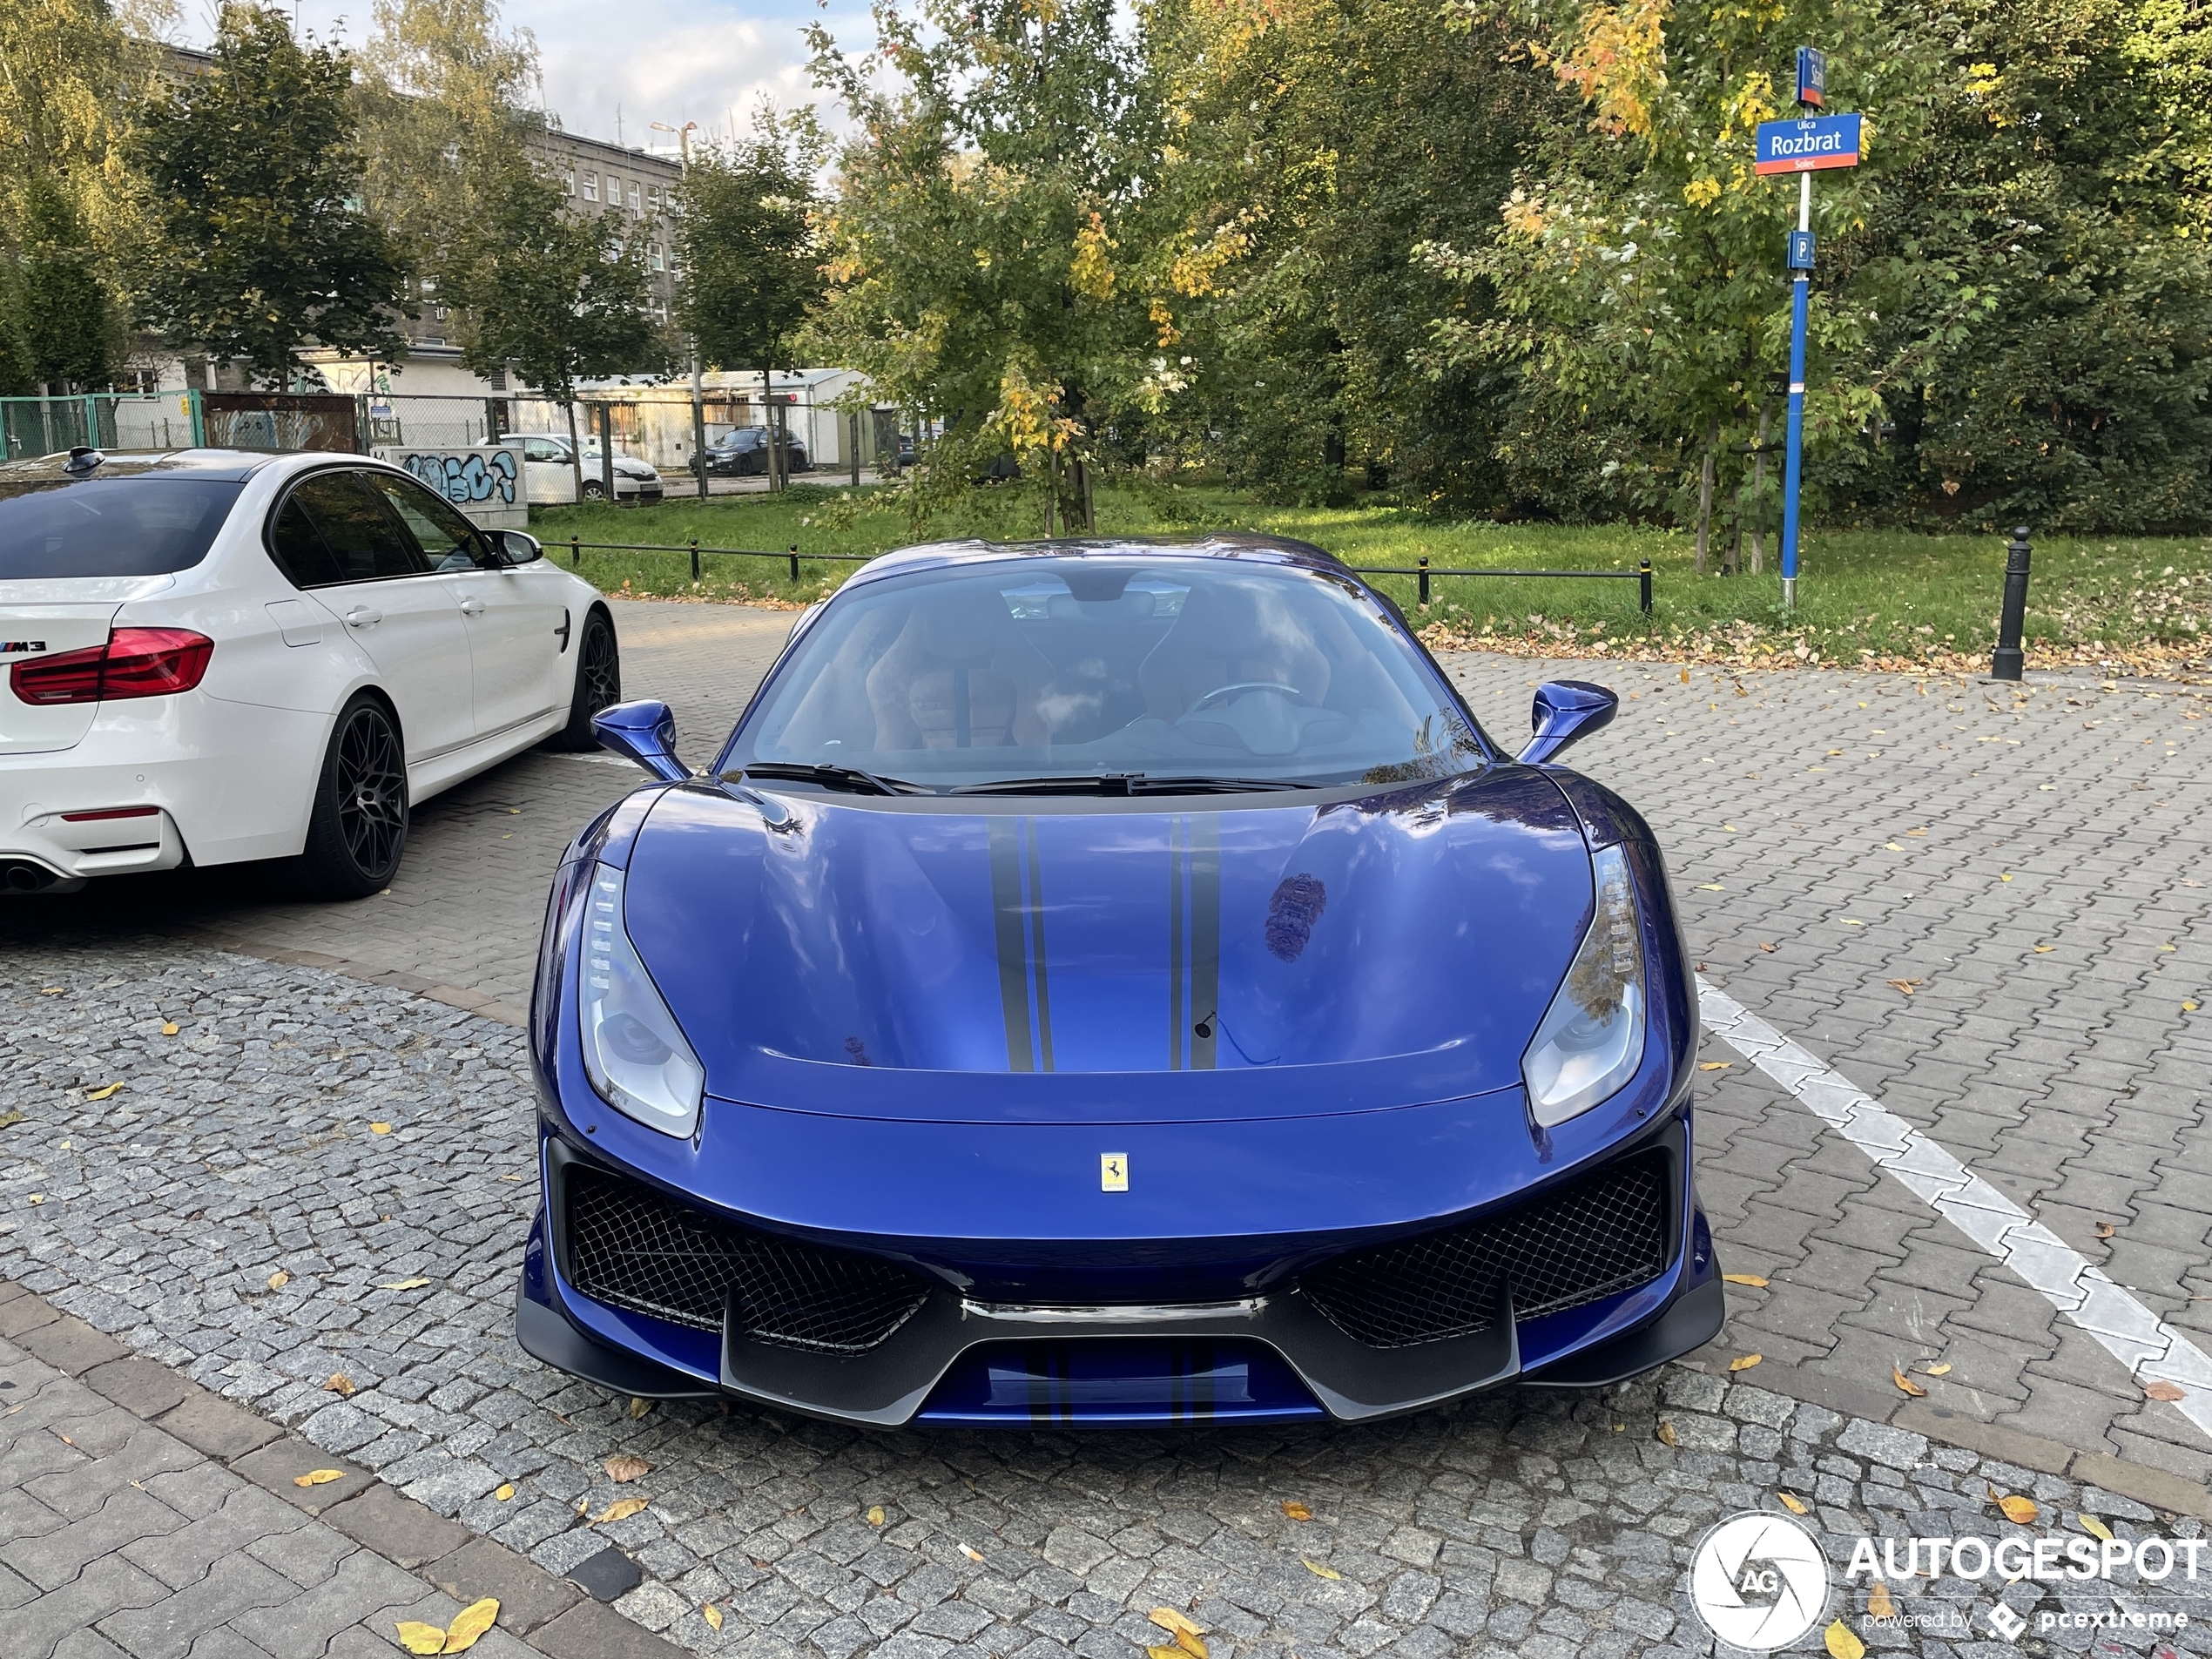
x,y
484,482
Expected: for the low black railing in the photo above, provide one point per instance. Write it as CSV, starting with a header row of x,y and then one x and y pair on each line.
x,y
1641,575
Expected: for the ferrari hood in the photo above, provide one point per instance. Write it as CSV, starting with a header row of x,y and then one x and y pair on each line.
x,y
1061,960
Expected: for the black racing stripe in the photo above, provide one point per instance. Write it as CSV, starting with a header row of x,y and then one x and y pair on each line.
x,y
1177,826
1205,938
1037,952
1014,972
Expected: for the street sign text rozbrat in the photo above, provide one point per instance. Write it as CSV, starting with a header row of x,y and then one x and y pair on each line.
x,y
1817,142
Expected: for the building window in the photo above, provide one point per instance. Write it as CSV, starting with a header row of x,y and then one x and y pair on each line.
x,y
635,205
653,257
652,196
568,176
592,187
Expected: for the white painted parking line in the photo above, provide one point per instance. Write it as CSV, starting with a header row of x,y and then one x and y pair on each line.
x,y
2073,1283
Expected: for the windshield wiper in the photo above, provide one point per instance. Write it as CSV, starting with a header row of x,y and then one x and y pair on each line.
x,y
1124,783
852,778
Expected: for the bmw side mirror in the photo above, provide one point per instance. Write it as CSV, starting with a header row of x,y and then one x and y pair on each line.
x,y
1565,710
644,732
517,547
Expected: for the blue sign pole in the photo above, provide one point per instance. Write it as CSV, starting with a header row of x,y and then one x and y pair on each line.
x,y
1793,455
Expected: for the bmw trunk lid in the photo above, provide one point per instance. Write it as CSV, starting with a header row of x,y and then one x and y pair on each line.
x,y
42,618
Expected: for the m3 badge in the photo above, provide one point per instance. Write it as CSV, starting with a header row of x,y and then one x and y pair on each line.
x,y
1113,1172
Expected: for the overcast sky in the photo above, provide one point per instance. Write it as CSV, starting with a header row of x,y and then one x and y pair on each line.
x,y
613,67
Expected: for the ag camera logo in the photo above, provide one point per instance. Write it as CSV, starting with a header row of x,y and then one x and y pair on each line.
x,y
1759,1582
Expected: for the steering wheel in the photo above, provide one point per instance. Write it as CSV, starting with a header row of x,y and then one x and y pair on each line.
x,y
1219,691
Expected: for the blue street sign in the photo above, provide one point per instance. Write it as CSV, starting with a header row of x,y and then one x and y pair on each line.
x,y
1807,145
1801,250
1812,75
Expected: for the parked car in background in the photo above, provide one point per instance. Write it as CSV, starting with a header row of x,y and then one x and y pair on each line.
x,y
548,472
215,656
744,451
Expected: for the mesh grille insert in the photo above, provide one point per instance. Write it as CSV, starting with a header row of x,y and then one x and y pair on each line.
x,y
632,1248
1607,1233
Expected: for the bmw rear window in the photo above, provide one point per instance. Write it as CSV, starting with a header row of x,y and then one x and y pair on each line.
x,y
111,526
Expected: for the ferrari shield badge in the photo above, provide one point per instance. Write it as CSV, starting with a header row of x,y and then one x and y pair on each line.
x,y
1113,1172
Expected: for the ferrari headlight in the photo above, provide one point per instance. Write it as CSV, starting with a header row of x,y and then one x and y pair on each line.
x,y
634,1052
1591,1040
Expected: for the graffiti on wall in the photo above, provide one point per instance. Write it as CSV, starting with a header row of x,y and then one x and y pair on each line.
x,y
468,479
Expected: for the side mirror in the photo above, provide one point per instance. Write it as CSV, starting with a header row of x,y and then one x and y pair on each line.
x,y
1565,710
644,732
516,547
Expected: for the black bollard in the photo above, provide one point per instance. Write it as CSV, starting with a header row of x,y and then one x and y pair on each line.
x,y
695,561
2008,660
1424,582
1643,585
794,564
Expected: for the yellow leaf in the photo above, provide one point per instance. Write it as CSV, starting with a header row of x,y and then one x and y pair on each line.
x,y
417,1637
168,1027
1319,1571
1751,1279
2094,1528
1745,1361
380,1129
2045,950
620,1510
279,1279
101,1094
505,1490
1666,1436
1793,1503
1169,1618
1295,1510
318,1476
2189,1008
875,1515
473,1620
1905,1383
2021,1511
1841,1644
1852,921
1192,1643
2164,1390
1892,847
1715,1065
1942,1370
622,1467
1908,986
1166,1650
1879,1603
339,1383
712,1614
639,1408
2007,876
404,1285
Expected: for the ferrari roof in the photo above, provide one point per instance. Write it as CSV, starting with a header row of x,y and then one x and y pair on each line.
x,y
1251,545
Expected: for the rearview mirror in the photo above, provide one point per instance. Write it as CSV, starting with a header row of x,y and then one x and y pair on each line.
x,y
644,732
516,547
1565,710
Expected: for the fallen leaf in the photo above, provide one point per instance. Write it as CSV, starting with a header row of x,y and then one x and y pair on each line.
x,y
504,1491
103,1093
1794,1504
2189,1008
279,1279
620,1510
1942,1370
168,1027
2021,1511
1715,1065
1841,1644
37,1197
1916,832
472,1621
2094,1528
1173,1619
339,1383
1710,887
1295,1510
1744,1362
1908,986
1850,922
1891,846
13,1116
875,1515
1751,1279
623,1468
1192,1643
1666,1435
639,1408
1319,1571
2045,950
712,1614
404,1285
417,1637
1685,680
318,1476
1879,1603
2007,876
380,1129
2104,1230
1768,948
1905,1383
1165,1650
2164,1390
50,990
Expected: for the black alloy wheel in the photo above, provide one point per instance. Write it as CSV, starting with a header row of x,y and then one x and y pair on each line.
x,y
598,682
358,831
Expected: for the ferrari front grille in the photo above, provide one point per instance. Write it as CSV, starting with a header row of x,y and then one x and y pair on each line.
x,y
632,1248
1607,1233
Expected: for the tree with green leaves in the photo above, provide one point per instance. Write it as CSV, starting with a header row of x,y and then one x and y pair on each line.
x,y
69,329
255,177
558,297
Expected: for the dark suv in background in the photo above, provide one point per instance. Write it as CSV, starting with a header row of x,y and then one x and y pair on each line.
x,y
744,450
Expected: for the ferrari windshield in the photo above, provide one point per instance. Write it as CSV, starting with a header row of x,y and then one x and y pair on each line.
x,y
1044,673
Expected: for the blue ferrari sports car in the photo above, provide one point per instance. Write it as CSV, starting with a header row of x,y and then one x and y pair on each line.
x,y
1113,983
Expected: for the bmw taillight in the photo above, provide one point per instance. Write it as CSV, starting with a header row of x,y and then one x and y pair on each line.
x,y
135,662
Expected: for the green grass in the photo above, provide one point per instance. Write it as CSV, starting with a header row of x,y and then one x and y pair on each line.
x,y
1890,595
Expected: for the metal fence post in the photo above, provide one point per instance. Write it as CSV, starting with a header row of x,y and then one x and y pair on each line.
x,y
1643,585
199,419
1423,581
695,561
794,562
576,551
853,427
2008,661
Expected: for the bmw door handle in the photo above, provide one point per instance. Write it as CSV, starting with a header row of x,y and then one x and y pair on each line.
x,y
361,616
472,607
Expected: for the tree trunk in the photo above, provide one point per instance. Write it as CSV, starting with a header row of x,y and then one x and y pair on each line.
x,y
1705,490
1758,495
767,431
575,449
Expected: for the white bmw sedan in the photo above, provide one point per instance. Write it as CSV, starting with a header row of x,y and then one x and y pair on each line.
x,y
210,656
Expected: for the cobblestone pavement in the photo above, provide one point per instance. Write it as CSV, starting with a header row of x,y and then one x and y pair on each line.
x,y
1983,905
